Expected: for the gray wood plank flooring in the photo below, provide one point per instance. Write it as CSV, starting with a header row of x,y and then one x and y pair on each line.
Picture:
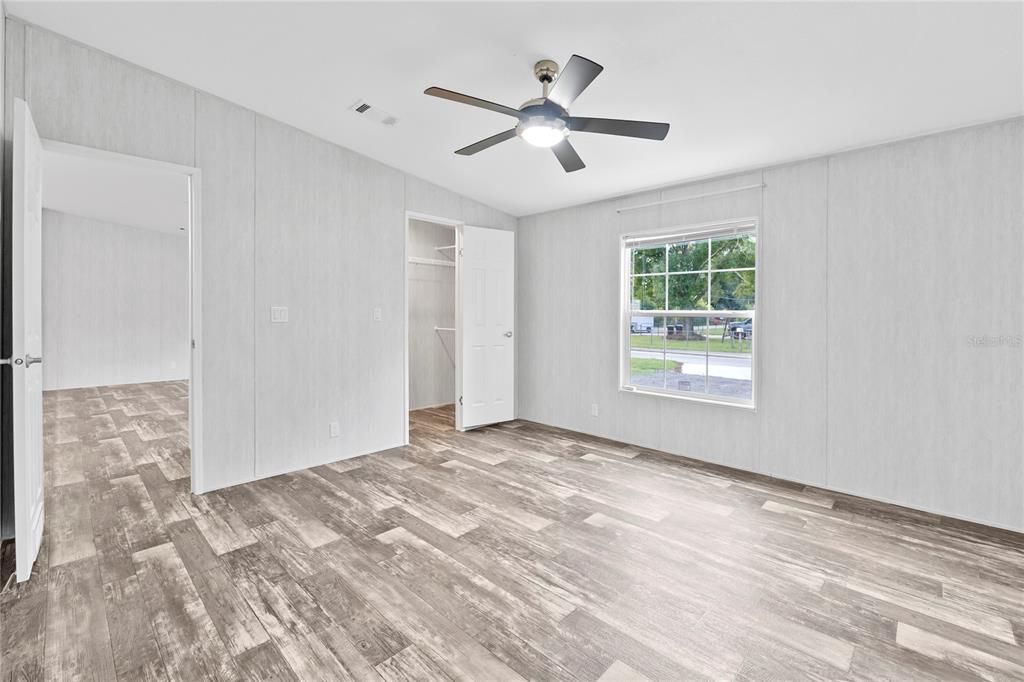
x,y
513,552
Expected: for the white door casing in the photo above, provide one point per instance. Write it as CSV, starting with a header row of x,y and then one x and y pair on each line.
x,y
485,317
26,338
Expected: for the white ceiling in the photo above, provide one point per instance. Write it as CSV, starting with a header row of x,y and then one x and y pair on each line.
x,y
743,84
115,192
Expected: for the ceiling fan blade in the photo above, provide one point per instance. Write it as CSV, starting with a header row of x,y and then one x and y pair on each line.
x,y
472,101
614,126
486,143
568,157
573,79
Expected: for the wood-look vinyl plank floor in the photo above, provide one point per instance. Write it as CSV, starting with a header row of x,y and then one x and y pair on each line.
x,y
513,552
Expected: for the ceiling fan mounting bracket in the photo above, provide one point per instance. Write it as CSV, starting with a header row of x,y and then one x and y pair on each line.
x,y
545,71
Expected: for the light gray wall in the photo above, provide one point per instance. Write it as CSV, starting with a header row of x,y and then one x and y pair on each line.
x,y
878,268
115,303
287,220
939,225
431,304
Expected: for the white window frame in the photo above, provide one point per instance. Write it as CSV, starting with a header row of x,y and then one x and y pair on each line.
x,y
626,313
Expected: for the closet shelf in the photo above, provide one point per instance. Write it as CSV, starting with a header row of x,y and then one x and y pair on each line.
x,y
431,261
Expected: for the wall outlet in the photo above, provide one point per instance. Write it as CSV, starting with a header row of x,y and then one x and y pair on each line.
x,y
378,314
335,429
593,409
278,314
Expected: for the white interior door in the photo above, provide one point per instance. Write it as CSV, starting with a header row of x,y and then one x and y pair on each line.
x,y
485,321
26,338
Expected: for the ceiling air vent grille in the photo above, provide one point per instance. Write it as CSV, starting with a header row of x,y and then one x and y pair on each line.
x,y
373,113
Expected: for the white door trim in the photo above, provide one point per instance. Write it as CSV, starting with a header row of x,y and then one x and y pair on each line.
x,y
195,384
454,225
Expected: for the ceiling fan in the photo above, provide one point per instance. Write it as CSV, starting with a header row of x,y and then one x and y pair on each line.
x,y
545,121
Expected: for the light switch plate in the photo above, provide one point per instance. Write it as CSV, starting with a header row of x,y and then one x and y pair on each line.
x,y
378,315
335,429
278,314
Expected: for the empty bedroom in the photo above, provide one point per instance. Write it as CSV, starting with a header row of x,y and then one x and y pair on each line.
x,y
585,341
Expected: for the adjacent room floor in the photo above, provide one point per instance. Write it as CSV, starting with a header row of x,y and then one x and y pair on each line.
x,y
508,552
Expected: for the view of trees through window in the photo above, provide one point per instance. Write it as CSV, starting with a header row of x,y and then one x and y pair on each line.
x,y
691,326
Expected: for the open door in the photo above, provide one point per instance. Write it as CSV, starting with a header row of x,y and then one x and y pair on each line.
x,y
485,316
26,338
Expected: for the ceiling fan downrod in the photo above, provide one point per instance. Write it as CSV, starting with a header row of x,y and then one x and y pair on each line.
x,y
546,71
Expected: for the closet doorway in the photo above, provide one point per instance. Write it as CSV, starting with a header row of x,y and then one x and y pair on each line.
x,y
460,313
431,280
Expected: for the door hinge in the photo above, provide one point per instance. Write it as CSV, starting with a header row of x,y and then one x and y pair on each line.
x,y
460,400
193,344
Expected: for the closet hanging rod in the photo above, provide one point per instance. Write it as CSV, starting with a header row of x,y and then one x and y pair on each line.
x,y
444,329
692,196
444,248
431,261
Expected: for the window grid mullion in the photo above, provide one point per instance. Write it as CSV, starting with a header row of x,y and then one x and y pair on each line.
x,y
708,299
690,272
691,313
707,355
664,341
666,291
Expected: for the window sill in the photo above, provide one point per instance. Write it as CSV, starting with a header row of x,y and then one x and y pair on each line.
x,y
693,398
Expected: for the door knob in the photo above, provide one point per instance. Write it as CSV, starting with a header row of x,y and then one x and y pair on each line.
x,y
32,360
508,334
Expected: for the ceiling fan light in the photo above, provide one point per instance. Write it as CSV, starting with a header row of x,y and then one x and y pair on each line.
x,y
542,132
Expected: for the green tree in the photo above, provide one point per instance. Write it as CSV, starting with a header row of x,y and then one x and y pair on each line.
x,y
733,252
694,262
733,290
649,291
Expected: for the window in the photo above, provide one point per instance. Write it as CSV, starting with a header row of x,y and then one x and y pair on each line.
x,y
688,321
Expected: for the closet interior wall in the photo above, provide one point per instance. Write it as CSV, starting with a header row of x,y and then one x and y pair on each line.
x,y
431,314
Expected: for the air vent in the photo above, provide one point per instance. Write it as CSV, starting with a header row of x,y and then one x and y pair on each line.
x,y
373,113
